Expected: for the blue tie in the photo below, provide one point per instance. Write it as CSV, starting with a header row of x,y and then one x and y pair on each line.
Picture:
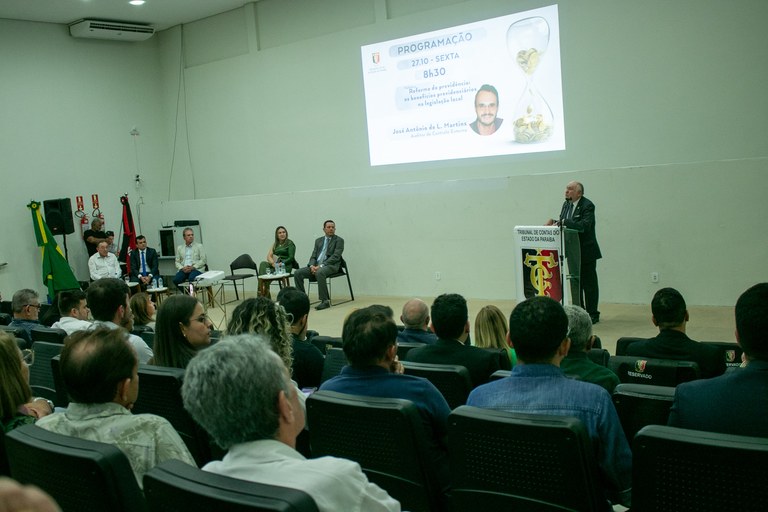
x,y
143,264
321,258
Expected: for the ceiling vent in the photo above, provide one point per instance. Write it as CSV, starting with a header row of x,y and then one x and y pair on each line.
x,y
115,30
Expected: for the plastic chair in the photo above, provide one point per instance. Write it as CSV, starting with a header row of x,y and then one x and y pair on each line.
x,y
175,486
244,261
639,405
78,474
343,272
511,461
385,436
451,380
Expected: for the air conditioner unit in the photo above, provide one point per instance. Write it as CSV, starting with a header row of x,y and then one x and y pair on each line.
x,y
115,30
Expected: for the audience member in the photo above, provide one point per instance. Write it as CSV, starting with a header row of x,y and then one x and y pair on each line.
x,y
538,329
283,250
108,300
262,316
181,331
670,315
111,245
370,344
25,304
74,311
307,367
144,263
491,331
103,264
577,362
190,259
94,236
28,498
100,372
325,261
143,312
260,432
734,403
450,321
16,404
415,318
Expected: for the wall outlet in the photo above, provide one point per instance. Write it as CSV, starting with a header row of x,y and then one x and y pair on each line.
x,y
654,277
438,276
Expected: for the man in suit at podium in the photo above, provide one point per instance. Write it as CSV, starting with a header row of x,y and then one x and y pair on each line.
x,y
144,263
578,213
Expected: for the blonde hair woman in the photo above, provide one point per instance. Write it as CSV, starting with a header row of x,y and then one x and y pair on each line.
x,y
491,331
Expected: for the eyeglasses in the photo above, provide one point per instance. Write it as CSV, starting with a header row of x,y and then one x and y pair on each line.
x,y
28,356
38,306
202,319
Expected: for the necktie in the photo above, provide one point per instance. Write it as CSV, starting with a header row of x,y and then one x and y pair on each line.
x,y
143,264
570,211
321,258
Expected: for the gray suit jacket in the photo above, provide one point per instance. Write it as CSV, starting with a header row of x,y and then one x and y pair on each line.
x,y
332,254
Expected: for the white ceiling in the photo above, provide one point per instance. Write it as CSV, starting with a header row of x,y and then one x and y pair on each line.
x,y
161,14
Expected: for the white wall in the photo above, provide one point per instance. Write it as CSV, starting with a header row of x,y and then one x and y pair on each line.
x,y
264,124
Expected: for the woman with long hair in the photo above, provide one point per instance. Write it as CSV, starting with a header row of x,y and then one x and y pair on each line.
x,y
282,250
143,311
16,404
491,331
182,329
262,316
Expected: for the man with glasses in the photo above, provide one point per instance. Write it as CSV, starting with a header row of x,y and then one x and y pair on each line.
x,y
26,309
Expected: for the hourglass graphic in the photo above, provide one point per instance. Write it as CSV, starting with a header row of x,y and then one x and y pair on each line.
x,y
527,42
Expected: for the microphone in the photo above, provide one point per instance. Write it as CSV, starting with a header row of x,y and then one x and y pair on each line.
x,y
564,210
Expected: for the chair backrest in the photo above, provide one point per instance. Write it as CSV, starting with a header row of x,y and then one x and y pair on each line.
x,y
624,342
500,374
599,356
404,346
4,469
639,405
174,485
453,381
160,394
78,474
244,261
384,435
17,332
148,336
504,362
324,343
659,372
511,461
680,469
49,334
5,318
6,306
62,398
335,360
41,372
731,352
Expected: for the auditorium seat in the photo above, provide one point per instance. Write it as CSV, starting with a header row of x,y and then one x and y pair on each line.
x,y
325,343
453,381
335,360
624,342
41,372
599,356
50,334
659,372
404,346
731,352
639,405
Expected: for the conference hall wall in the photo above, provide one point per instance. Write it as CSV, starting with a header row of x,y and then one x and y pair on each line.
x,y
663,108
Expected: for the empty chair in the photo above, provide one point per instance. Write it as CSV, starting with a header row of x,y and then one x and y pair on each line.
x,y
680,470
343,272
48,334
639,405
599,356
41,372
160,394
175,486
79,474
385,436
335,360
624,342
451,380
244,261
659,372
325,343
511,461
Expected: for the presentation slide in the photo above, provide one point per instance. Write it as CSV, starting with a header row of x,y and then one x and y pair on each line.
x,y
487,88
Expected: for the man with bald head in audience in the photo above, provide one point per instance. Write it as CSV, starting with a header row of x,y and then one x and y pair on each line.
x,y
415,318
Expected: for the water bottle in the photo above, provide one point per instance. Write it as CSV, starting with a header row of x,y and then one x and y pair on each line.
x,y
154,283
280,267
159,282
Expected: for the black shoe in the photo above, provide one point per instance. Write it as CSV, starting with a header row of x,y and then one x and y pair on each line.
x,y
595,319
323,305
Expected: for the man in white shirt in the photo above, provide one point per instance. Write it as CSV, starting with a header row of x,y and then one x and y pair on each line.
x,y
103,263
260,432
74,312
190,259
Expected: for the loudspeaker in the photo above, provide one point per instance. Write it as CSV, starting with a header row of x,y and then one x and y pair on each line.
x,y
58,216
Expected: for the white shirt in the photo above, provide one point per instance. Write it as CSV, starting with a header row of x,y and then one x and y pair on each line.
x,y
108,266
335,484
142,349
71,324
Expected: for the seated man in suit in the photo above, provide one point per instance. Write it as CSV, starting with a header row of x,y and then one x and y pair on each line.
x,y
325,261
259,433
100,371
538,329
450,321
670,316
190,258
370,344
415,318
144,263
734,403
74,312
577,362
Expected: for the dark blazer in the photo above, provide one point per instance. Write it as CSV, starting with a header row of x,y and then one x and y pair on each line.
x,y
734,403
152,263
480,363
671,344
332,254
583,221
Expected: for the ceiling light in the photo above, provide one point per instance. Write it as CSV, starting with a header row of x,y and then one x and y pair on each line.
x,y
136,2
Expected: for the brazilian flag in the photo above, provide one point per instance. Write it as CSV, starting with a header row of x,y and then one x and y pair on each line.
x,y
57,275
